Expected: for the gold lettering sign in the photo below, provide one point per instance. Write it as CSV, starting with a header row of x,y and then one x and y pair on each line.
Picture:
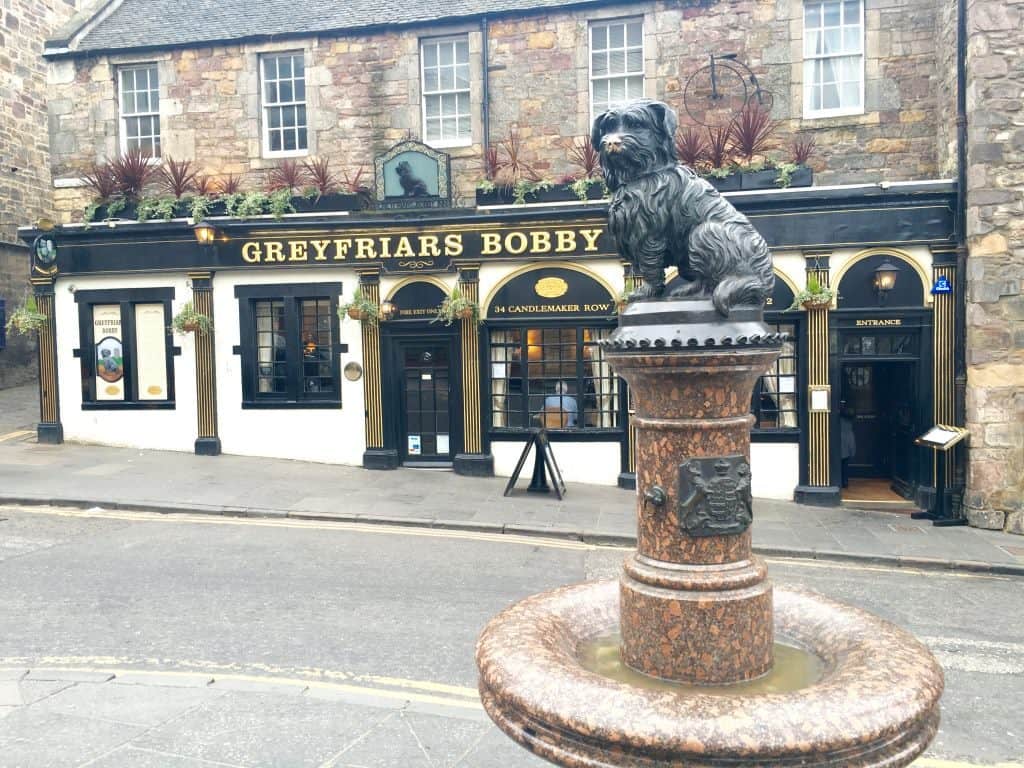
x,y
551,287
422,249
871,323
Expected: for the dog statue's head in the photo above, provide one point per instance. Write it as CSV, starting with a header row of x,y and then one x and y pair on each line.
x,y
403,168
635,139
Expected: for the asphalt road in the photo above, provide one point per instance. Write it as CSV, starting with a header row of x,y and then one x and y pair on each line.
x,y
346,645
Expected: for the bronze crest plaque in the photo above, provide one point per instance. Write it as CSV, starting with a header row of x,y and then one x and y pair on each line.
x,y
714,496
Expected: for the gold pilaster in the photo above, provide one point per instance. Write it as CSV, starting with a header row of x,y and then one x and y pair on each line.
x,y
818,424
943,334
49,429
207,439
472,432
369,283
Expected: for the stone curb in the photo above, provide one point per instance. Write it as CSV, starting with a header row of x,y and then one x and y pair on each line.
x,y
596,538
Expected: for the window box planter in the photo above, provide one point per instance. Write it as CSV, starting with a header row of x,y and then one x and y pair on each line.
x,y
496,196
769,178
129,212
558,193
730,183
802,177
333,203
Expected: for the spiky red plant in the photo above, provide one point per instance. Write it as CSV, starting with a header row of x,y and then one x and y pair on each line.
x,y
514,167
287,174
133,172
320,175
204,185
100,179
583,155
178,176
752,131
690,146
719,141
803,148
491,162
353,183
230,184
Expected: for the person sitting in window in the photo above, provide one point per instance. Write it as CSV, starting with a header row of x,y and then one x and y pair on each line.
x,y
563,401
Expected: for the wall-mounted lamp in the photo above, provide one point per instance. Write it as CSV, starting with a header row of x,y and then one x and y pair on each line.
x,y
885,279
205,233
387,310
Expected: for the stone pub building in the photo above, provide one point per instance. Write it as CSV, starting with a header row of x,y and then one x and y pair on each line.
x,y
239,87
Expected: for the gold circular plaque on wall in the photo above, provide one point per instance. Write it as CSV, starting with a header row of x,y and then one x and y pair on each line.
x,y
551,287
353,371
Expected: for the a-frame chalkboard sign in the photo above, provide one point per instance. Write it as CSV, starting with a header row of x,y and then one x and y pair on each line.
x,y
543,458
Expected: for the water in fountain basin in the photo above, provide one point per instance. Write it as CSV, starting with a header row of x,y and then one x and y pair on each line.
x,y
794,669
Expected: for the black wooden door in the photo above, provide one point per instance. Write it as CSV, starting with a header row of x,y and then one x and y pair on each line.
x,y
426,374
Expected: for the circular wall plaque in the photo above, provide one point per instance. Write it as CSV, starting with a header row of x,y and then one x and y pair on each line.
x,y
353,371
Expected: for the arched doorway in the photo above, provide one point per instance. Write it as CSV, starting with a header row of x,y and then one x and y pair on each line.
x,y
882,363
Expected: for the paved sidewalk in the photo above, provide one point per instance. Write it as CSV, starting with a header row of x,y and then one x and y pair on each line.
x,y
125,478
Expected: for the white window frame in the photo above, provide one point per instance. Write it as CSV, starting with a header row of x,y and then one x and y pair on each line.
x,y
458,141
265,107
626,47
123,116
810,59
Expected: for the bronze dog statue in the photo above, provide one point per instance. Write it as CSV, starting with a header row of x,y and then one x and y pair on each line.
x,y
662,214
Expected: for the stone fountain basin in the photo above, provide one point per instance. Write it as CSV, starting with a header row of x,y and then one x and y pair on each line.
x,y
876,704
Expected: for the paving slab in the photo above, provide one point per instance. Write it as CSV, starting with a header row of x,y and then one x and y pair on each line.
x,y
33,738
130,704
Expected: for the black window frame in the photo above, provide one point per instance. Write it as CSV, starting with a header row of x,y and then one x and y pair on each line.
x,y
126,299
783,434
291,294
578,433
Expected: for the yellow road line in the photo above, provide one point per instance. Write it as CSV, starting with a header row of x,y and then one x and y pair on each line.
x,y
17,434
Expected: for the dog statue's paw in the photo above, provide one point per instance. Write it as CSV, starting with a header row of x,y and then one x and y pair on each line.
x,y
647,291
687,288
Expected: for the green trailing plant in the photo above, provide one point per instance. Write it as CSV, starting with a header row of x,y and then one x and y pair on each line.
x,y
486,185
157,208
188,320
814,295
581,187
456,306
786,171
280,202
199,207
360,308
115,206
525,187
251,204
27,318
232,201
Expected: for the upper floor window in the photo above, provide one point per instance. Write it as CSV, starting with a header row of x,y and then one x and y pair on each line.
x,y
616,63
139,98
284,104
445,81
833,57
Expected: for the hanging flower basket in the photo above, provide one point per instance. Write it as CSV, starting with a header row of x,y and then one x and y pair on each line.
x,y
818,302
457,307
356,313
27,318
360,308
188,320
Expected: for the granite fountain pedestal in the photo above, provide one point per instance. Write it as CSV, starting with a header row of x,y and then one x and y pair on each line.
x,y
698,618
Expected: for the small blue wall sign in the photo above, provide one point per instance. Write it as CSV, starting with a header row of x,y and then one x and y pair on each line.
x,y
942,285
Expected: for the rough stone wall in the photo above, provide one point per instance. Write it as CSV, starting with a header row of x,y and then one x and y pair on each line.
x,y
995,267
363,91
945,87
18,359
25,187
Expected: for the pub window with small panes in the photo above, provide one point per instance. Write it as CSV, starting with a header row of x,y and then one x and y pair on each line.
x,y
290,349
556,377
126,348
775,401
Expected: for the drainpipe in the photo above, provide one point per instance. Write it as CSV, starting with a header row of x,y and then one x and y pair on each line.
x,y
485,90
960,334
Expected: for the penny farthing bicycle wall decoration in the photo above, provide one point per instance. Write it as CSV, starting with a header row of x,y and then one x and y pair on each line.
x,y
718,91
